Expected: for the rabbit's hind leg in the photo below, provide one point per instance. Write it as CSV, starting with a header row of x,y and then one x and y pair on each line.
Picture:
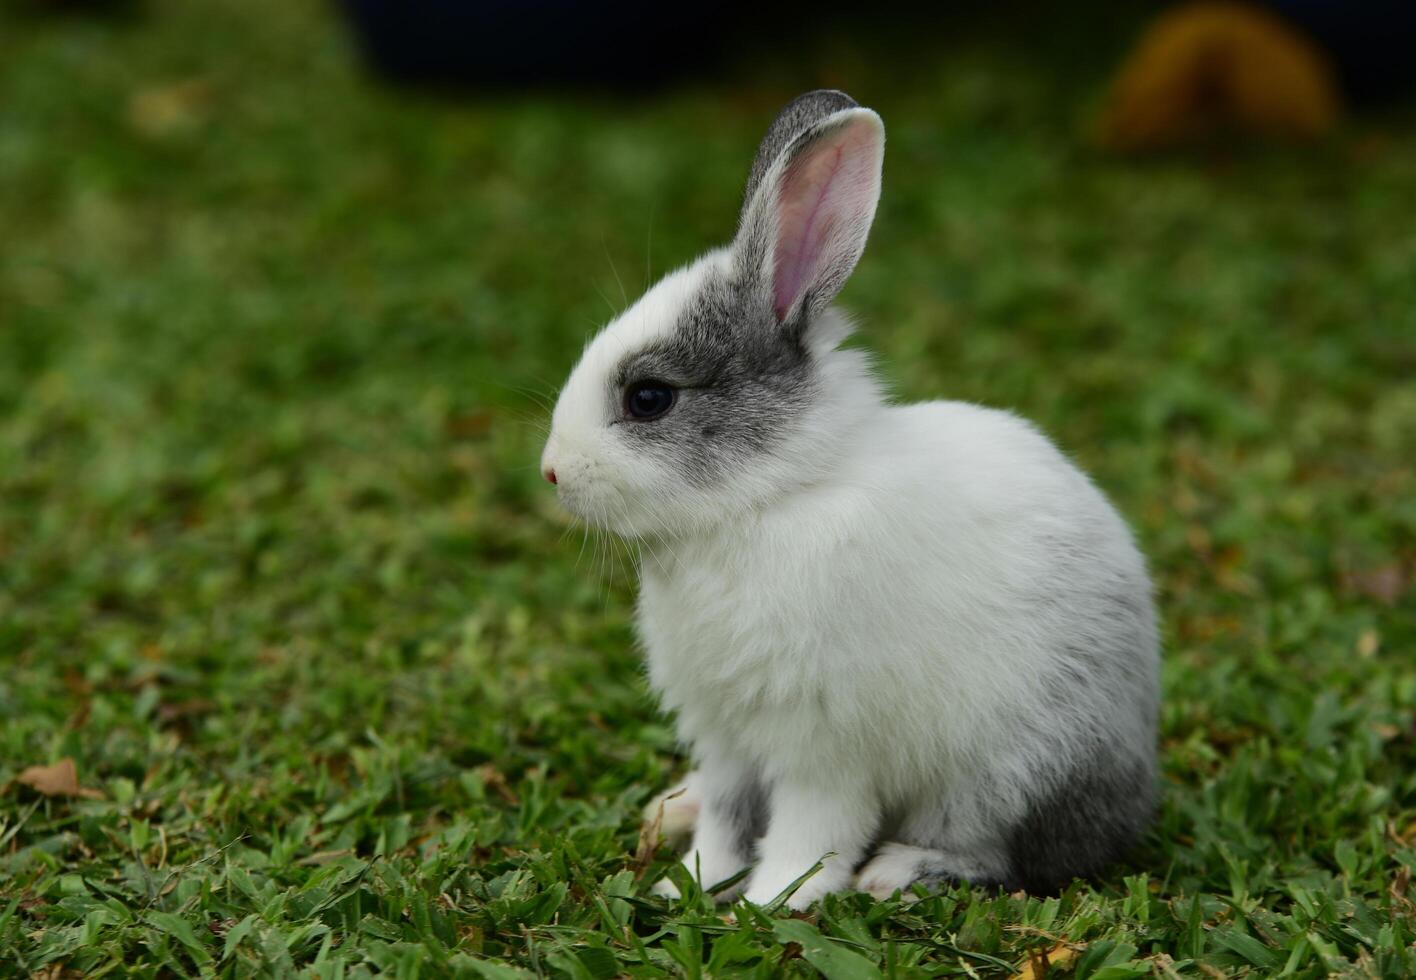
x,y
935,845
897,867
675,810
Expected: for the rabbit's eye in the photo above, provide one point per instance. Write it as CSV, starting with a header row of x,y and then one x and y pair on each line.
x,y
648,400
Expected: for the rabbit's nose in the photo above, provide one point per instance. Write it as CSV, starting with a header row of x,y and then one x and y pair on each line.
x,y
550,474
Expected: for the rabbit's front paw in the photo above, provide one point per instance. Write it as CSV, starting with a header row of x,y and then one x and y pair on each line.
x,y
708,869
769,881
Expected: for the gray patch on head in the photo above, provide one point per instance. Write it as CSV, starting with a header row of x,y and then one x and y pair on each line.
x,y
743,383
744,379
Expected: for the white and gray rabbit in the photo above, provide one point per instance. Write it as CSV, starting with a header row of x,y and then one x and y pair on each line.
x,y
913,642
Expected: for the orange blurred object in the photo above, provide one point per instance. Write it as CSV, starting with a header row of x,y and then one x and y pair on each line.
x,y
1209,69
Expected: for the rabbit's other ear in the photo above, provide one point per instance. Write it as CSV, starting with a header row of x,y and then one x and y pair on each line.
x,y
810,202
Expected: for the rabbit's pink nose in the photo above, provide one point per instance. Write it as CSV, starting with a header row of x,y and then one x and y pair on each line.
x,y
550,474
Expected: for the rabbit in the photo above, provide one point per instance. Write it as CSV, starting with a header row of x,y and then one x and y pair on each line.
x,y
913,644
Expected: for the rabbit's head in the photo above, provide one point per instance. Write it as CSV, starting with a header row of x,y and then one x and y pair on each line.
x,y
722,388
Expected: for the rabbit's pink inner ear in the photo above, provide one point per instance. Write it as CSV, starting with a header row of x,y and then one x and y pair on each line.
x,y
825,202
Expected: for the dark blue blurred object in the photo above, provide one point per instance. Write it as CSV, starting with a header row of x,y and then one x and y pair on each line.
x,y
631,42
1372,42
514,42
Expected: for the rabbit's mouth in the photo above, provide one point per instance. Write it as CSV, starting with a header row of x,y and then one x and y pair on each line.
x,y
593,502
601,506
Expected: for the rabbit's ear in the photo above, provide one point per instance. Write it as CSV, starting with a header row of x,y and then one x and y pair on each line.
x,y
809,204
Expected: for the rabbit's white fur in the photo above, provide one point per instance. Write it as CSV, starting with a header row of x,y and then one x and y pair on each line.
x,y
815,642
915,633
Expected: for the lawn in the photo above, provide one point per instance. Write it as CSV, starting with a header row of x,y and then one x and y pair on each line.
x,y
349,694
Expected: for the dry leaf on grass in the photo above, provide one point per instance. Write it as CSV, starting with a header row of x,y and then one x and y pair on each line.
x,y
1368,643
493,780
469,425
60,779
649,836
1039,964
659,828
1386,584
164,109
324,857
1400,882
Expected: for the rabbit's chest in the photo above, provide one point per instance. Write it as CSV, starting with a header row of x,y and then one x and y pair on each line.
x,y
734,644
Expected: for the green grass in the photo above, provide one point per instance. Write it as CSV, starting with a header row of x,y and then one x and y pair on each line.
x,y
277,571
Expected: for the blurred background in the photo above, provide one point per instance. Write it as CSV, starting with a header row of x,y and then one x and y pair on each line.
x,y
286,288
